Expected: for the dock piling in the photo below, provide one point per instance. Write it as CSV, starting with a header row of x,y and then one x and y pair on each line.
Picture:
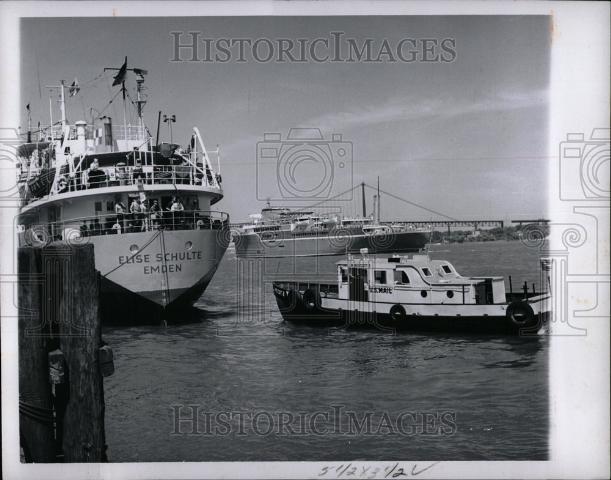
x,y
59,354
35,402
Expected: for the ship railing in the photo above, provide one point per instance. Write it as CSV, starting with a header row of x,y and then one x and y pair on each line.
x,y
129,132
119,176
121,223
123,175
56,132
119,132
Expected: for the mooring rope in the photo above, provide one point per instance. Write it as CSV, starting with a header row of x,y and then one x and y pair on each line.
x,y
40,414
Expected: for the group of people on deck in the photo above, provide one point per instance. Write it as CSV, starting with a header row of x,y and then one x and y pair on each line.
x,y
143,215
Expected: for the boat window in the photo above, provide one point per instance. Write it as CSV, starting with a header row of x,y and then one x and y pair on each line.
x,y
344,274
426,272
446,268
380,276
401,277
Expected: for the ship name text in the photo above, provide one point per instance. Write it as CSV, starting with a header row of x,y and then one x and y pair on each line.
x,y
163,258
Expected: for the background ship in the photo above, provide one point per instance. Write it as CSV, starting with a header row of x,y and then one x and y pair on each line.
x,y
145,205
279,232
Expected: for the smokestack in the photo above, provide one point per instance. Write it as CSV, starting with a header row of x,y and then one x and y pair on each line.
x,y
108,131
363,195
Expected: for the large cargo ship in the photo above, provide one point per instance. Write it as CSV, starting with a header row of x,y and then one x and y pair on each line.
x,y
144,205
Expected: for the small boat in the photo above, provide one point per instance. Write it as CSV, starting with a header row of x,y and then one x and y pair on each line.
x,y
412,292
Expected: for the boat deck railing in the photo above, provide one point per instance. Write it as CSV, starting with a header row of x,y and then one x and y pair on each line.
x,y
117,224
121,175
119,132
329,290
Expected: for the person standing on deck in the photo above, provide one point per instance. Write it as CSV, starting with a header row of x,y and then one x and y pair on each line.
x,y
144,213
92,172
177,208
155,214
120,211
134,210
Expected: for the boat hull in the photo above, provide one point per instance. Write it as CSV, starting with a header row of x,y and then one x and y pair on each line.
x,y
147,276
270,246
485,319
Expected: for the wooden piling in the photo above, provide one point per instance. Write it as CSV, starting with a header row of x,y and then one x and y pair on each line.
x,y
35,402
80,337
70,315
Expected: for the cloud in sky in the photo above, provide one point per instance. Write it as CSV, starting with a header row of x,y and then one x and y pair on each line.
x,y
400,108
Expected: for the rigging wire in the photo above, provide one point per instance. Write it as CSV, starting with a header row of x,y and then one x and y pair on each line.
x,y
132,256
167,278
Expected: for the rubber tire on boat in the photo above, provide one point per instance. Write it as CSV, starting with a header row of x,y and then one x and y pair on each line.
x,y
521,314
311,299
289,303
397,313
291,300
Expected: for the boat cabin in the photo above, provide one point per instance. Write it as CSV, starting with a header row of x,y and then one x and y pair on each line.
x,y
415,279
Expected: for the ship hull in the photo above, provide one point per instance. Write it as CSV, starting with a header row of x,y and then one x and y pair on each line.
x,y
148,276
262,246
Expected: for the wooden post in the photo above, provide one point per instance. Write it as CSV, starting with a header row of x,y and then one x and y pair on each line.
x,y
80,340
59,345
35,413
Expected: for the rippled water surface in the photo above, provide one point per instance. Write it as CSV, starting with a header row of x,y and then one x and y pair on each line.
x,y
237,355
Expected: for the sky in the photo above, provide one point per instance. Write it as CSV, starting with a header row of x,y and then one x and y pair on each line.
x,y
464,139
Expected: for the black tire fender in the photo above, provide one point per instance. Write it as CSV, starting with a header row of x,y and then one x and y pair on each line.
x,y
397,313
311,299
520,314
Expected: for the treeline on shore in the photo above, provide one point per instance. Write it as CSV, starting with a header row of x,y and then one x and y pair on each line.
x,y
489,235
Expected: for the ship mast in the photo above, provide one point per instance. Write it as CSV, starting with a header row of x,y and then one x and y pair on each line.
x,y
140,101
62,103
363,198
378,220
119,78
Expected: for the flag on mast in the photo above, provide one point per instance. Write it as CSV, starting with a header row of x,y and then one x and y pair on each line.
x,y
74,88
120,76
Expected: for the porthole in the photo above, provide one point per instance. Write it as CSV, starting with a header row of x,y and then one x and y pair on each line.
x,y
450,294
189,245
134,248
423,293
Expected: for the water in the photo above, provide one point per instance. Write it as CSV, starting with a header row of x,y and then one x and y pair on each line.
x,y
493,389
